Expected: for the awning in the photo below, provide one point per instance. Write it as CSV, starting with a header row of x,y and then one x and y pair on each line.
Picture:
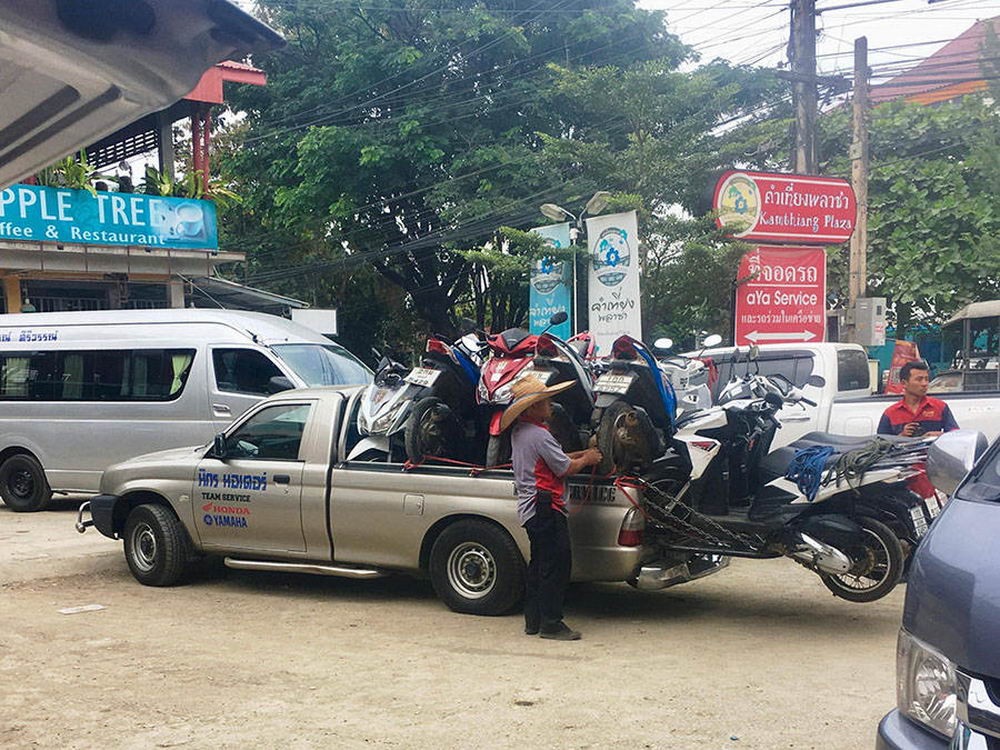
x,y
215,292
989,309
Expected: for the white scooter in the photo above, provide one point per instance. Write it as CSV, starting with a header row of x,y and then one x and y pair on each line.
x,y
835,504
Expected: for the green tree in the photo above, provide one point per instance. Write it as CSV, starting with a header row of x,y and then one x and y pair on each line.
x,y
399,137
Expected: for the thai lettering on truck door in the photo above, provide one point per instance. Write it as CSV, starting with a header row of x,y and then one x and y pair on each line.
x,y
252,497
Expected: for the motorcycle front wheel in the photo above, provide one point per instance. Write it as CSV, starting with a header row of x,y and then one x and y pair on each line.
x,y
878,564
627,439
432,430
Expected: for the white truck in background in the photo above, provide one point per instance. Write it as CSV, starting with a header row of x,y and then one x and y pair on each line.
x,y
845,404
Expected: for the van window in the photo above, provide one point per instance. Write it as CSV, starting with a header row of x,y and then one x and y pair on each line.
x,y
323,364
852,370
95,375
273,433
243,371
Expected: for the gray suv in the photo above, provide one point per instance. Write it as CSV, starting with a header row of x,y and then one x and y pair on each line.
x,y
948,653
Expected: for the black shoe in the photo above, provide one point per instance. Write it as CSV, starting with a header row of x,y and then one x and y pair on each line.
x,y
561,632
531,630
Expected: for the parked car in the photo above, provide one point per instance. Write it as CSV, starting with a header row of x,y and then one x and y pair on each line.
x,y
948,652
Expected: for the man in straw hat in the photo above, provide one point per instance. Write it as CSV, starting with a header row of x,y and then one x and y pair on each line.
x,y
539,467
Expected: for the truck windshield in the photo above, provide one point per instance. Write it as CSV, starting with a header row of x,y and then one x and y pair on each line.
x,y
984,484
324,364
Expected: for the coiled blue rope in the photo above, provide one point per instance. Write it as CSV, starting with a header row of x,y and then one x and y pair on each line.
x,y
806,469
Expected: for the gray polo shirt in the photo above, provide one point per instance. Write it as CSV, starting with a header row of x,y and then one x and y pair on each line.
x,y
539,464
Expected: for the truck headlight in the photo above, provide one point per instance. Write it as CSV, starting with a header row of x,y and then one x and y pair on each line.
x,y
925,685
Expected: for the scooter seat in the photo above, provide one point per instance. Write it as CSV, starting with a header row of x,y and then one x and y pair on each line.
x,y
775,464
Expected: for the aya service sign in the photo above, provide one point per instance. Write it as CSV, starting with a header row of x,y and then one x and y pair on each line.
x,y
551,284
783,296
30,213
781,208
613,283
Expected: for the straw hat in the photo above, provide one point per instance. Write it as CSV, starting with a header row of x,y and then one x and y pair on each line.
x,y
528,391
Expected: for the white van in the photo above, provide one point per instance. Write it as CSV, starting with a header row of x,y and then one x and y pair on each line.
x,y
80,391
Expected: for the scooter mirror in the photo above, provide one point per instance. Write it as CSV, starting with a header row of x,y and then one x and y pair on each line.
x,y
558,318
753,353
816,381
713,340
663,344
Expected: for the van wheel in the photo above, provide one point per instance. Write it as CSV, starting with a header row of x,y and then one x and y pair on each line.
x,y
23,485
157,547
477,569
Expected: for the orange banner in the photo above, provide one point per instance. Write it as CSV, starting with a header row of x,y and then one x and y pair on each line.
x,y
904,351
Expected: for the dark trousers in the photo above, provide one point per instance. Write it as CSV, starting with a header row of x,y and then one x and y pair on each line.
x,y
548,570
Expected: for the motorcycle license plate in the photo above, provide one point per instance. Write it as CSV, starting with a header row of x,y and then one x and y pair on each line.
x,y
933,506
423,376
919,521
613,383
544,375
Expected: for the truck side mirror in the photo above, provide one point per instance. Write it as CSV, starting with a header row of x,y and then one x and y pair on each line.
x,y
279,383
219,449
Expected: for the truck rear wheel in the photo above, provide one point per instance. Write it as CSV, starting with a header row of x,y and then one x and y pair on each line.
x,y
157,547
22,484
477,569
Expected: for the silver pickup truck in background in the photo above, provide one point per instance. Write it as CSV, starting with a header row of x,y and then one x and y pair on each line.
x,y
844,404
273,492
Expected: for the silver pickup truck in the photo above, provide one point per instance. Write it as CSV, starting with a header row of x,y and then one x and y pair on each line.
x,y
273,492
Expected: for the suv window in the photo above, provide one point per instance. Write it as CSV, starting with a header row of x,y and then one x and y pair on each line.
x,y
274,433
852,370
243,371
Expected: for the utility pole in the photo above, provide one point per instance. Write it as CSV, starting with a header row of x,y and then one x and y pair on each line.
x,y
802,56
858,269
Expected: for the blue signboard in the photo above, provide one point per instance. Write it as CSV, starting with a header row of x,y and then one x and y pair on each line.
x,y
551,287
30,213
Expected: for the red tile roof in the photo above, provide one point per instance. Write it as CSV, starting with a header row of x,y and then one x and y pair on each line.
x,y
953,71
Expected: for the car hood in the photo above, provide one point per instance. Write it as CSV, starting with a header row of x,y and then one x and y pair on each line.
x,y
953,595
171,455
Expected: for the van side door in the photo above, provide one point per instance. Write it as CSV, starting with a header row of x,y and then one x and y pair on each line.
x,y
239,377
251,497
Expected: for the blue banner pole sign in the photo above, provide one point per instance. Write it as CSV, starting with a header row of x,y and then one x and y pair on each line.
x,y
551,287
30,213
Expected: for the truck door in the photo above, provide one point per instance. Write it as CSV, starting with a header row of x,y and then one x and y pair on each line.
x,y
251,499
240,378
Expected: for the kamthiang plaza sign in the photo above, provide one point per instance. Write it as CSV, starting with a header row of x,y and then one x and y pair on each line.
x,y
780,208
29,213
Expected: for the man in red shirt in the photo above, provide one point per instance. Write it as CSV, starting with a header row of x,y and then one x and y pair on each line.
x,y
916,414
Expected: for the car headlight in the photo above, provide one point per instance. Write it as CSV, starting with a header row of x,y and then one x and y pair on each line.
x,y
925,685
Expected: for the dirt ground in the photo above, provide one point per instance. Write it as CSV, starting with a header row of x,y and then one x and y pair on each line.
x,y
759,656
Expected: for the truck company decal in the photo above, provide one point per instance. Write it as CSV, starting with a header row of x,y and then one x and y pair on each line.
x,y
253,482
236,522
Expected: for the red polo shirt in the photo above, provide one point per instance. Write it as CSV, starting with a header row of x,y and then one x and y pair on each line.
x,y
933,415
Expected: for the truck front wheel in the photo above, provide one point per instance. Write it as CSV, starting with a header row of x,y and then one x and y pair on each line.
x,y
157,547
477,569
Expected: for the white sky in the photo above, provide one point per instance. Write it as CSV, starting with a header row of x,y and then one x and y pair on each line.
x,y
756,31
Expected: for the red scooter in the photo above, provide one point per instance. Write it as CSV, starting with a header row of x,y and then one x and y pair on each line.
x,y
517,354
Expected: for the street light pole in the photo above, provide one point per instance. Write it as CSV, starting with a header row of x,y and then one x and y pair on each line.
x,y
597,203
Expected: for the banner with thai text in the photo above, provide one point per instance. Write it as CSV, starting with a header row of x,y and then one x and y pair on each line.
x,y
30,213
551,287
613,278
